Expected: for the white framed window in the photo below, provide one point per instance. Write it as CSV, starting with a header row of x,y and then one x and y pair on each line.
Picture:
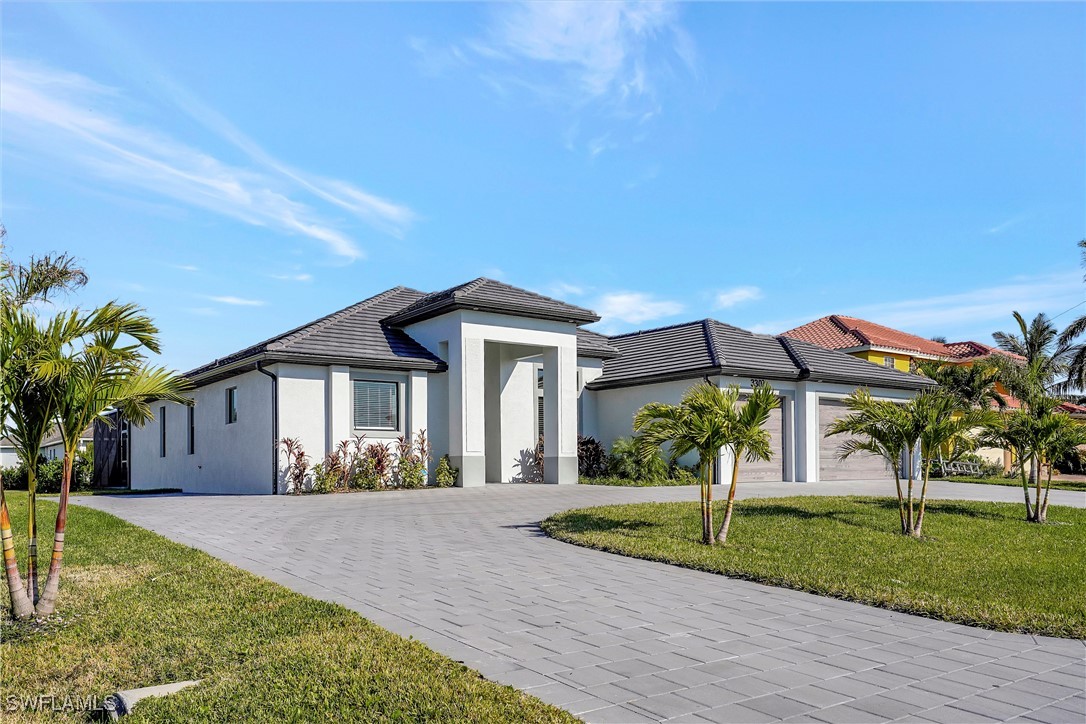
x,y
888,362
376,405
231,405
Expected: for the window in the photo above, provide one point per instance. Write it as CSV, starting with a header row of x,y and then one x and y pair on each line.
x,y
888,362
376,405
162,431
231,405
539,421
192,429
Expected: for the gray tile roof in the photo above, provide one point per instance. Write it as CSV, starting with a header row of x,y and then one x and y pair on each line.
x,y
489,295
709,347
594,344
352,335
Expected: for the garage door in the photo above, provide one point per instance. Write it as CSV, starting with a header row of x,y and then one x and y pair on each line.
x,y
859,466
772,469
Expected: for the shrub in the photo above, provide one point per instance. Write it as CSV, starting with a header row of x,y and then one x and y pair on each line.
x,y
51,475
591,457
326,474
412,459
445,476
374,467
297,464
625,462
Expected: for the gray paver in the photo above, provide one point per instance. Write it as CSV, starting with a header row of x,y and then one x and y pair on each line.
x,y
468,573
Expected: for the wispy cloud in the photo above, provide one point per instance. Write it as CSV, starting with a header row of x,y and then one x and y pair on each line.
x,y
563,289
617,308
80,122
237,301
975,313
737,295
1000,228
611,59
303,277
186,267
203,311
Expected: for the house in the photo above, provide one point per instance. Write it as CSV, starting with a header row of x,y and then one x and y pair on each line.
x,y
892,348
52,447
9,456
886,346
485,369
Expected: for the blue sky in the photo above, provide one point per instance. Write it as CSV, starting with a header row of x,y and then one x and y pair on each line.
x,y
243,168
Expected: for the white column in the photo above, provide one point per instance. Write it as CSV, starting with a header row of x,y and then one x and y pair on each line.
x,y
808,434
467,434
417,402
338,407
560,415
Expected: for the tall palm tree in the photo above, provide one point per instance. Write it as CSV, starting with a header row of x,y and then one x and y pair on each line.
x,y
98,363
1076,366
1047,356
879,427
748,440
704,422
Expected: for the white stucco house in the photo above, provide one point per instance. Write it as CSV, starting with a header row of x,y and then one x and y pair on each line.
x,y
485,368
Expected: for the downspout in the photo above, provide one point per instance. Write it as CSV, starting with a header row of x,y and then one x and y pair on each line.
x,y
275,426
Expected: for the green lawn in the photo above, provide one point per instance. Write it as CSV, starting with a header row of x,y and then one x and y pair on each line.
x,y
611,480
1057,484
137,609
978,564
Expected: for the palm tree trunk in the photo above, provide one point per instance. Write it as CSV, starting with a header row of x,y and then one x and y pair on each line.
x,y
1025,492
722,536
1042,513
923,501
1037,515
900,498
48,602
21,607
709,498
706,531
32,588
909,517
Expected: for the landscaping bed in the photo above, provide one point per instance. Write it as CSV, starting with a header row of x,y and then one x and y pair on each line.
x,y
978,563
615,480
137,609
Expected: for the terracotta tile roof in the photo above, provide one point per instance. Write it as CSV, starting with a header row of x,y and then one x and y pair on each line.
x,y
838,331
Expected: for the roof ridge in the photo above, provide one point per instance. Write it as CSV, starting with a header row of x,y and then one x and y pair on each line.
x,y
799,360
714,354
471,286
658,329
306,330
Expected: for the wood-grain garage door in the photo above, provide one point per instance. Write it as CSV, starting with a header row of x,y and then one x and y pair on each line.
x,y
859,466
771,470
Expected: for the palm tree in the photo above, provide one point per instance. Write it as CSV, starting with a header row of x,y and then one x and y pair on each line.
x,y
23,285
1061,435
1039,343
749,439
705,422
942,420
1022,432
973,385
1076,372
98,370
882,428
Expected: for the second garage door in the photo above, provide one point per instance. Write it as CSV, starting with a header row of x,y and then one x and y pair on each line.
x,y
859,466
771,470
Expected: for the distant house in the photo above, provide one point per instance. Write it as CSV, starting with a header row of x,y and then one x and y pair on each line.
x,y
486,369
886,346
52,448
9,458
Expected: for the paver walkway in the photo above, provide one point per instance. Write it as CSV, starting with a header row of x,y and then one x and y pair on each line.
x,y
615,639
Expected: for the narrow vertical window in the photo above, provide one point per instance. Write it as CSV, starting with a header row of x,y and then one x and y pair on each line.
x,y
192,429
162,431
231,405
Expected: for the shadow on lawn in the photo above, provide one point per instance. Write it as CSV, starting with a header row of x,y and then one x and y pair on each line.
x,y
590,522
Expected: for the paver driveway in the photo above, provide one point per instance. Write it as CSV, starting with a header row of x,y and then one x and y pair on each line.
x,y
614,639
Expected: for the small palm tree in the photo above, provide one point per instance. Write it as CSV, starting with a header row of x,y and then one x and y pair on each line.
x,y
1062,435
704,422
98,370
748,440
882,428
